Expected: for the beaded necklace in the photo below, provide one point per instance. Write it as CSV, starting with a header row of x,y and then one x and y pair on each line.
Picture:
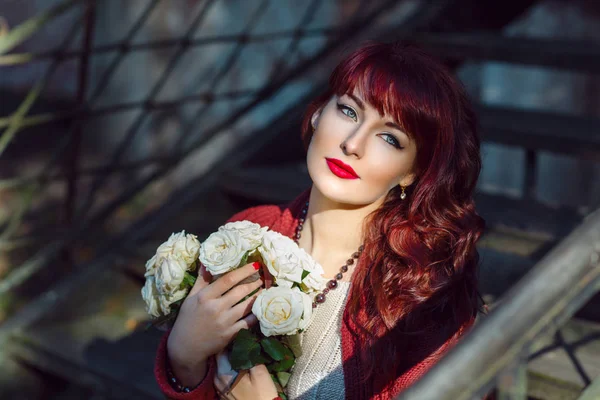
x,y
333,283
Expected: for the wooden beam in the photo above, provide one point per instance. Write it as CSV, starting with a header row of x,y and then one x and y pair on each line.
x,y
576,55
537,130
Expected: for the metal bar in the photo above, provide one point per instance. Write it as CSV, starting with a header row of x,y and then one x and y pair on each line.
x,y
38,260
538,304
570,350
16,217
91,171
309,14
135,126
215,81
124,46
82,113
72,164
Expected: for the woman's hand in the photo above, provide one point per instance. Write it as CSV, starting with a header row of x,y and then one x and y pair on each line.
x,y
255,383
208,320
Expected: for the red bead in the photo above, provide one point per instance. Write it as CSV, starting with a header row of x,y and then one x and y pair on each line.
x,y
339,276
344,268
320,298
350,261
332,284
356,255
326,290
314,305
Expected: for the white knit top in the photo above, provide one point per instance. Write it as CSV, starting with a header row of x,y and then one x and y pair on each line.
x,y
318,373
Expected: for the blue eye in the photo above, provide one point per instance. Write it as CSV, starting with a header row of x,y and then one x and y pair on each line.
x,y
392,140
349,112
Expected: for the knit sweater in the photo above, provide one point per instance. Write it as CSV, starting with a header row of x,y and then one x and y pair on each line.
x,y
318,373
425,349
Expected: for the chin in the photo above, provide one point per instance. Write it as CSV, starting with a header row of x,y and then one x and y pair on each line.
x,y
341,191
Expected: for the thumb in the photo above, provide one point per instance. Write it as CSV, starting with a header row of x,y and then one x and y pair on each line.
x,y
203,280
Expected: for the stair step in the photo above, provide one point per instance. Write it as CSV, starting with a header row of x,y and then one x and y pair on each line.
x,y
98,342
555,368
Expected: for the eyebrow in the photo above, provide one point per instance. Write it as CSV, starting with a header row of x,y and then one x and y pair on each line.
x,y
357,100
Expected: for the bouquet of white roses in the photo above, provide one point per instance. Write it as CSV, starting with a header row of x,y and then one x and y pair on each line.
x,y
283,309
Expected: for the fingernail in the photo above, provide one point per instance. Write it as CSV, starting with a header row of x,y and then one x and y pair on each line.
x,y
256,265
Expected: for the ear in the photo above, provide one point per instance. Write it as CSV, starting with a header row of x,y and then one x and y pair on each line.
x,y
314,120
407,179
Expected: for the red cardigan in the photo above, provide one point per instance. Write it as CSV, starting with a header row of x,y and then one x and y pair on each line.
x,y
429,347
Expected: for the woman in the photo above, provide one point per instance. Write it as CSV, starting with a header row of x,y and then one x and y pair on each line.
x,y
393,153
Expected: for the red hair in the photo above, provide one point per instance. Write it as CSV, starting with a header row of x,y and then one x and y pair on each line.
x,y
419,268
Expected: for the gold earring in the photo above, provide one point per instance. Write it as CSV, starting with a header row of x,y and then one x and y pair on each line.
x,y
403,194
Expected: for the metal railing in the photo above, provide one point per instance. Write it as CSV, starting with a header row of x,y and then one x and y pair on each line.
x,y
497,350
77,208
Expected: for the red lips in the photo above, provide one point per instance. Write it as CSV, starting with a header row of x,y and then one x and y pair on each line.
x,y
341,169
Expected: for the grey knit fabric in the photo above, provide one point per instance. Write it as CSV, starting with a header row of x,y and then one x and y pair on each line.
x,y
317,374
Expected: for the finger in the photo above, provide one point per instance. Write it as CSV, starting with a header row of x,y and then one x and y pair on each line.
x,y
245,323
259,372
237,294
230,279
203,280
244,308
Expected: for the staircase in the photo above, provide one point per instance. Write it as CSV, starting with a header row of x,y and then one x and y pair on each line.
x,y
97,346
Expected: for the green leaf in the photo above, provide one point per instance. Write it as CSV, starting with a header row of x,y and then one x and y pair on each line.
x,y
244,259
26,29
16,120
283,365
304,288
260,358
293,342
274,348
189,279
242,353
283,377
304,274
245,335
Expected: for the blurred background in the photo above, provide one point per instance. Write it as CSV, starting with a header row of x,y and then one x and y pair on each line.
x,y
122,121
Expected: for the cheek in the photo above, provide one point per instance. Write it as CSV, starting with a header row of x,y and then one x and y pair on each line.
x,y
387,169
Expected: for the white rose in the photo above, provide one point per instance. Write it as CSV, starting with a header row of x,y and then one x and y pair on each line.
x,y
180,245
167,299
314,281
169,274
280,255
282,311
151,266
151,297
222,251
250,233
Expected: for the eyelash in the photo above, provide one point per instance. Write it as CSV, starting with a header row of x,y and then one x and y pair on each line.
x,y
343,108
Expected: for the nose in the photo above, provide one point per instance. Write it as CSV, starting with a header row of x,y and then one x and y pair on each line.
x,y
354,143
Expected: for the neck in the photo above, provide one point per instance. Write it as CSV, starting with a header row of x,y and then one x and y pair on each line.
x,y
333,230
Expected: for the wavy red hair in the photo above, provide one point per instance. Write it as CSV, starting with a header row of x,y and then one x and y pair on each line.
x,y
419,268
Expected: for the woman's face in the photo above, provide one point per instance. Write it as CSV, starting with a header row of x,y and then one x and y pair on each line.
x,y
349,130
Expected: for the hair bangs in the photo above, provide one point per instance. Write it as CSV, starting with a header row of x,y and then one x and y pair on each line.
x,y
374,82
